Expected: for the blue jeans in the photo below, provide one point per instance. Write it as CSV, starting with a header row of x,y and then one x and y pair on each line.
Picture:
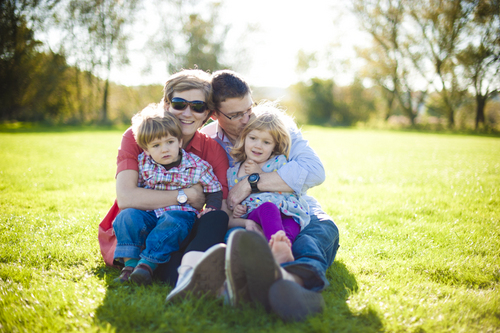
x,y
314,250
140,234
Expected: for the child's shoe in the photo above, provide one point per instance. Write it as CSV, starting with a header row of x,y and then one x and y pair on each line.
x,y
125,274
142,274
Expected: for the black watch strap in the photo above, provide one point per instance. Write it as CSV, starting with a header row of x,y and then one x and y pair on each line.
x,y
253,179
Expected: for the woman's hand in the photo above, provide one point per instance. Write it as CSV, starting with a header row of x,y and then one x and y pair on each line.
x,y
239,210
196,196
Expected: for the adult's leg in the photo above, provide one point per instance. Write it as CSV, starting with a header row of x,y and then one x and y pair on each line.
x,y
207,231
314,250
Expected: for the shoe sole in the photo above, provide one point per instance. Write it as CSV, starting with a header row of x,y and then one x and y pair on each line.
x,y
235,274
291,302
260,267
208,275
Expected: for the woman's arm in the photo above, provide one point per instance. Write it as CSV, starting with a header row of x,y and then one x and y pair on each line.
x,y
129,195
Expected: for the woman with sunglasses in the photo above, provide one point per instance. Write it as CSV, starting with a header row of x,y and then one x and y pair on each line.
x,y
186,95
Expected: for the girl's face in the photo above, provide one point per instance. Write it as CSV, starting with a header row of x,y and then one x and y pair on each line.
x,y
259,146
190,120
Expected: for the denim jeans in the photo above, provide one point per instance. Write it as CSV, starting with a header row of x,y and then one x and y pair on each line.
x,y
314,250
140,234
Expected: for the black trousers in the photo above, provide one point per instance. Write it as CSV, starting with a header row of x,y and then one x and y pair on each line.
x,y
207,231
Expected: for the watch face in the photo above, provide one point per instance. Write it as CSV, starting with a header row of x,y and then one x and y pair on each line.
x,y
182,197
253,177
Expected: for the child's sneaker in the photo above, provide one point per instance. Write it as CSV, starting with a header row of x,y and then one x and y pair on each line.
x,y
125,274
142,274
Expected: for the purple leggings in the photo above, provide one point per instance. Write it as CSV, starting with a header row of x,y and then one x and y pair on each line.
x,y
270,218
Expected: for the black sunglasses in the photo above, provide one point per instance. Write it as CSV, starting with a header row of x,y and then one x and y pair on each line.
x,y
181,104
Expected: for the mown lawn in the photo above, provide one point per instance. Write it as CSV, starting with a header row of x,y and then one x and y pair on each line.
x,y
419,220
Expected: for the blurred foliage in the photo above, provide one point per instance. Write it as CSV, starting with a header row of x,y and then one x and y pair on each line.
x,y
433,64
194,39
451,49
321,102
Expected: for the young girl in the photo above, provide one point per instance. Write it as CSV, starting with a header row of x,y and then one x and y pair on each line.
x,y
262,147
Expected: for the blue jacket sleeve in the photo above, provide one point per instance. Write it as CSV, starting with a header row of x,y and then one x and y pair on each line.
x,y
304,168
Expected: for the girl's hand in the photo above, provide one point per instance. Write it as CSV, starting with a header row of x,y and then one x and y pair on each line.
x,y
239,210
253,226
251,167
203,212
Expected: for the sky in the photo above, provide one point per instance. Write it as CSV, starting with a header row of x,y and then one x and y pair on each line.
x,y
284,28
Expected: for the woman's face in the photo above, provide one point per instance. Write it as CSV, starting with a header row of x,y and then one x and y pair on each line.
x,y
190,120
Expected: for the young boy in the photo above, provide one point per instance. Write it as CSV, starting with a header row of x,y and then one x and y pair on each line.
x,y
147,238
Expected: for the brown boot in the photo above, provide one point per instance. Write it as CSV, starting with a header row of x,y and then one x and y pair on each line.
x,y
125,274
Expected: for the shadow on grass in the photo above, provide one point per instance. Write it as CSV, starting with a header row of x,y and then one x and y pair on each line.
x,y
130,307
342,285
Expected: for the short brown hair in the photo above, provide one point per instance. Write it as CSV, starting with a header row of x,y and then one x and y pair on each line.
x,y
228,84
188,79
153,123
268,117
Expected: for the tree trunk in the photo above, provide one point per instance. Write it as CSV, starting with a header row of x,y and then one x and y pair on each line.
x,y
79,95
451,118
104,118
480,104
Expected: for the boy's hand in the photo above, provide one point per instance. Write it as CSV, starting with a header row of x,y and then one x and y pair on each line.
x,y
251,167
239,210
203,212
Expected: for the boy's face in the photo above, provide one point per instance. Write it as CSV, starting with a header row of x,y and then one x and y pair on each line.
x,y
164,150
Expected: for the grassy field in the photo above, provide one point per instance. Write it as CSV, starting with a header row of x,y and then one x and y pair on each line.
x,y
419,220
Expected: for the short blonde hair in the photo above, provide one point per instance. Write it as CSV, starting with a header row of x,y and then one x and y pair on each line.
x,y
268,117
153,123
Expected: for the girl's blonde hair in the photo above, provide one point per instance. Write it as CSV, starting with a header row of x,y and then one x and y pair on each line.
x,y
153,123
267,116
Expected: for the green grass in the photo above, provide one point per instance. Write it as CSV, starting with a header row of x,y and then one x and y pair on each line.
x,y
419,220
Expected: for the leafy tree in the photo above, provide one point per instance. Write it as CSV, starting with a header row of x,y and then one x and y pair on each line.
x,y
193,39
98,38
386,61
32,82
481,58
441,28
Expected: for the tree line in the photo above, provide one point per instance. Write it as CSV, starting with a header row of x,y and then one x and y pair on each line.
x,y
429,59
433,53
69,82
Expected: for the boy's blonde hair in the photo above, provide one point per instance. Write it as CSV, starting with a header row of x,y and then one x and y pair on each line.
x,y
153,123
268,117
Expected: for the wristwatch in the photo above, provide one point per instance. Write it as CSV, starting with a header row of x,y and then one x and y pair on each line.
x,y
182,198
253,179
